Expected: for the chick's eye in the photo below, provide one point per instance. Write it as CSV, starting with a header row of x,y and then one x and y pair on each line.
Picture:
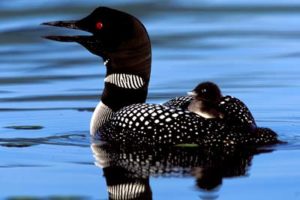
x,y
99,25
203,90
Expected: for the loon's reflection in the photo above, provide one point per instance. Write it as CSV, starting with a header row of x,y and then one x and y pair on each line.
x,y
127,169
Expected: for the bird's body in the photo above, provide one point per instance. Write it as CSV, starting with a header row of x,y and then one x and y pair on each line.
x,y
200,109
206,98
122,116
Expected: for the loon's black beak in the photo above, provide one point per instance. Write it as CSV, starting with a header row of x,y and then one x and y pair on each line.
x,y
90,42
66,24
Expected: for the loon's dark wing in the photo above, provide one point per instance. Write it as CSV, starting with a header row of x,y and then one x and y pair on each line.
x,y
152,124
180,102
236,113
155,124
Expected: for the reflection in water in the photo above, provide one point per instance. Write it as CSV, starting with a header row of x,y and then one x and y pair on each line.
x,y
127,169
63,140
25,127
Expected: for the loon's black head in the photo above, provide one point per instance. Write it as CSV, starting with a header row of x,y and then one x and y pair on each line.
x,y
123,43
207,92
111,30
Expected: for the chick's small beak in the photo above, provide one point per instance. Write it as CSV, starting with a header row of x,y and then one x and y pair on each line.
x,y
192,94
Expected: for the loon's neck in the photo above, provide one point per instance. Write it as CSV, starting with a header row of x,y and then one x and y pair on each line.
x,y
126,82
128,75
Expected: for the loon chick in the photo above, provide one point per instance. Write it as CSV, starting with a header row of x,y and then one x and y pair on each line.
x,y
122,116
208,102
206,98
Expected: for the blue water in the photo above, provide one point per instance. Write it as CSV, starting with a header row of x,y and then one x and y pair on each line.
x,y
48,90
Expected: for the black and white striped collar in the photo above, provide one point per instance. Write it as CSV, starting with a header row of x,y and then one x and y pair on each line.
x,y
127,81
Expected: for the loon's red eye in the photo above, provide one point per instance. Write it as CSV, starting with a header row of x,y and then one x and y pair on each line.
x,y
99,25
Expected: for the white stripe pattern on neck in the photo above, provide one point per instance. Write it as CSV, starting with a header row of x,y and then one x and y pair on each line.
x,y
128,81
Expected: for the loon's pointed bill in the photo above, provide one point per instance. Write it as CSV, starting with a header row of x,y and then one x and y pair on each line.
x,y
77,38
90,42
73,24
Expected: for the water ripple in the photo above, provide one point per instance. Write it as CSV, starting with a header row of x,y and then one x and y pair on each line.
x,y
64,140
81,97
41,79
25,127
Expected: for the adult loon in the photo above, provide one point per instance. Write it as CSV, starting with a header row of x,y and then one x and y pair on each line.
x,y
123,117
